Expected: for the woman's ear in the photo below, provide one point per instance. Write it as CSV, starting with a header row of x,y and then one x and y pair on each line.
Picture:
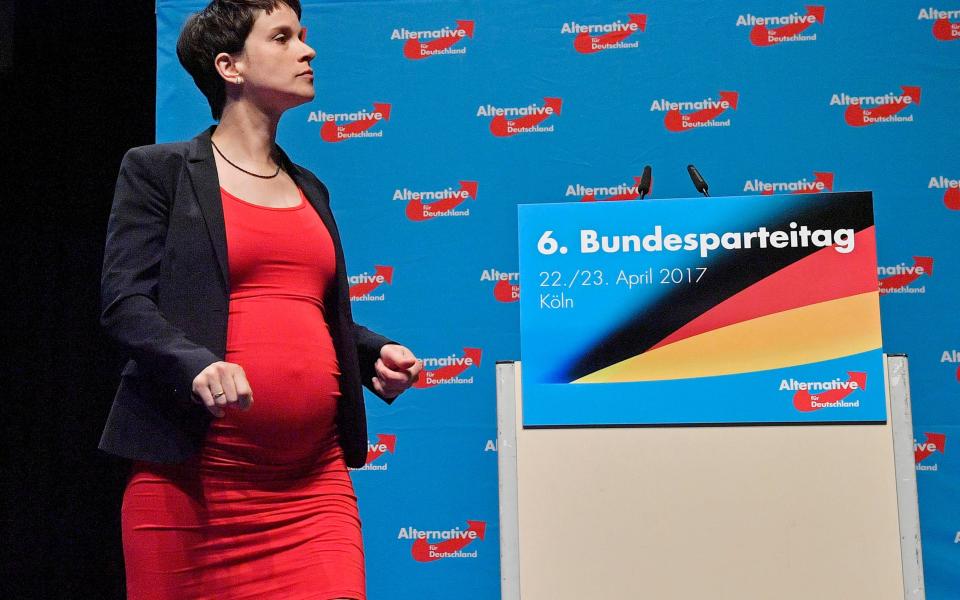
x,y
227,67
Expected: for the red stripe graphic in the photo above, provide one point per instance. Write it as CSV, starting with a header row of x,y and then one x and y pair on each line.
x,y
386,442
946,31
951,198
811,188
503,127
905,279
783,290
934,442
633,194
450,370
362,289
803,400
761,36
857,116
418,211
588,44
674,119
504,291
421,549
414,49
334,132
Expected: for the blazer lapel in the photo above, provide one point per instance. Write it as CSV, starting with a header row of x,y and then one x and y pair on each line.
x,y
206,187
320,203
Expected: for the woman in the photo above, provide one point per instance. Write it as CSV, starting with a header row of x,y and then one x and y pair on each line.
x,y
224,280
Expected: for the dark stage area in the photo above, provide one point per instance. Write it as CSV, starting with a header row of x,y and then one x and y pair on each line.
x,y
78,90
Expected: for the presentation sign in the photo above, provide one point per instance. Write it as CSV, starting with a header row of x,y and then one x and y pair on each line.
x,y
723,310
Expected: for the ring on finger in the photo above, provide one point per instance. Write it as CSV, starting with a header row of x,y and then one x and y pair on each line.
x,y
218,394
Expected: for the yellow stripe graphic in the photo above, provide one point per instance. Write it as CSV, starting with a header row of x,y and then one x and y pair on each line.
x,y
799,336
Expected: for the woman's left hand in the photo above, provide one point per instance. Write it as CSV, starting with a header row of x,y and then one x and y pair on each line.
x,y
397,369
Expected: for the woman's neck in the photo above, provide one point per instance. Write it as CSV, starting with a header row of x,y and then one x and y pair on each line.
x,y
246,134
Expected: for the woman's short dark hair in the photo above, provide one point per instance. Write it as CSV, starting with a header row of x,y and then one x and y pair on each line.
x,y
222,26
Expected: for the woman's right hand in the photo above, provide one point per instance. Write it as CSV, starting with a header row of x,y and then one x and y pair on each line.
x,y
222,384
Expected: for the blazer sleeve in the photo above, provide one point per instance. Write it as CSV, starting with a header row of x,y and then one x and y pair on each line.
x,y
369,344
130,315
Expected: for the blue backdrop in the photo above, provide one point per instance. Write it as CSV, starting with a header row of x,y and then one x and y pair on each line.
x,y
448,114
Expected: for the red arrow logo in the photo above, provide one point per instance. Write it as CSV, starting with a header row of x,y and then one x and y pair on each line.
x,y
904,279
935,442
503,127
951,198
857,116
825,178
803,400
386,442
414,49
423,551
588,44
632,194
418,211
675,120
761,36
504,291
429,378
333,132
362,289
945,30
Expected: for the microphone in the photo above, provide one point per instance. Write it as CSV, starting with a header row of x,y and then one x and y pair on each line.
x,y
697,179
644,187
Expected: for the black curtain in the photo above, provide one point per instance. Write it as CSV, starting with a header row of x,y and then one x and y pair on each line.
x,y
77,82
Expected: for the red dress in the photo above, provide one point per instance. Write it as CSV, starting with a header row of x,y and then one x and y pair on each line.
x,y
267,508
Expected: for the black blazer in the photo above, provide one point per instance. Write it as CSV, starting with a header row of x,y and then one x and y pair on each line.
x,y
164,296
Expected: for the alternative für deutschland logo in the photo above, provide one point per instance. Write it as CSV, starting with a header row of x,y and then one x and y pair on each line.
x,y
768,31
922,451
885,108
510,121
945,28
605,36
606,193
815,395
821,182
338,127
423,205
447,370
426,43
507,286
688,115
951,193
897,279
430,545
386,444
363,285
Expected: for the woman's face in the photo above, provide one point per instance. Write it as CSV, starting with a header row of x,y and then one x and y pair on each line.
x,y
275,62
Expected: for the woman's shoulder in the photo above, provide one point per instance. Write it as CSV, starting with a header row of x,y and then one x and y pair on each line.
x,y
159,160
196,148
161,151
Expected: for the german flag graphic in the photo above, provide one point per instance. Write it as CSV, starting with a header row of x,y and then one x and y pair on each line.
x,y
768,310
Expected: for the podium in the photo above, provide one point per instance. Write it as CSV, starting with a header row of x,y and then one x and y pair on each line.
x,y
707,482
